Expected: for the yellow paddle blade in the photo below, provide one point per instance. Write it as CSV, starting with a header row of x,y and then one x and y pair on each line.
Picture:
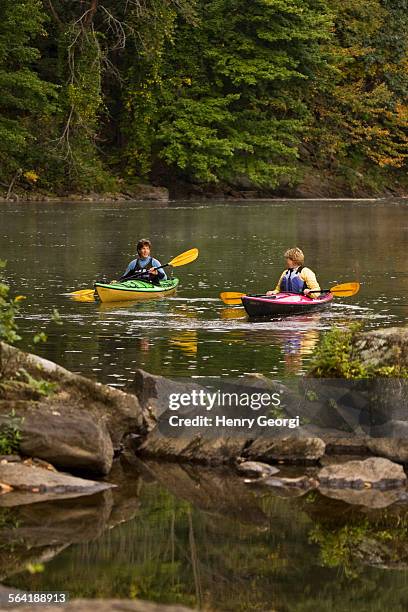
x,y
184,258
83,292
231,297
346,289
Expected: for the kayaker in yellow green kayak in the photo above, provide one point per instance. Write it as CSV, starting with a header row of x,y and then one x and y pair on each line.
x,y
297,278
143,267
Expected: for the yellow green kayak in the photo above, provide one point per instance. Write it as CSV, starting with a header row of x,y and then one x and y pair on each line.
x,y
134,290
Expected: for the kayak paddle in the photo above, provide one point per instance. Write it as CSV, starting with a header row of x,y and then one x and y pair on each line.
x,y
180,260
231,297
344,290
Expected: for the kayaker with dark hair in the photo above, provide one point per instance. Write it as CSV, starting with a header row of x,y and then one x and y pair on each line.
x,y
144,265
297,278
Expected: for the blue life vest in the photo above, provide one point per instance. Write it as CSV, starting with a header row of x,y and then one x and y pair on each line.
x,y
292,281
144,274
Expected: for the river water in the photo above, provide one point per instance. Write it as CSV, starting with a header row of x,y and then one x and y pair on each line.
x,y
55,248
176,534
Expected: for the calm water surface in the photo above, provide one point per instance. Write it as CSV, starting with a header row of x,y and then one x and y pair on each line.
x,y
55,248
205,539
176,534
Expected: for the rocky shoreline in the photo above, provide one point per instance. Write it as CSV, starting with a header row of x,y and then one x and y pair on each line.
x,y
315,188
67,422
81,448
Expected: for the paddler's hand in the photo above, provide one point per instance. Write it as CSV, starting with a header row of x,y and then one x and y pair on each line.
x,y
306,292
153,271
271,292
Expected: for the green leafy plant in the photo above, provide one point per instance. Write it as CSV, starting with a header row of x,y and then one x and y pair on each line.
x,y
8,309
40,386
10,434
333,357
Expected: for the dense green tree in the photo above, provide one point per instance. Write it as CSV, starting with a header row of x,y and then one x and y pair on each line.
x,y
225,99
362,116
24,96
91,37
246,93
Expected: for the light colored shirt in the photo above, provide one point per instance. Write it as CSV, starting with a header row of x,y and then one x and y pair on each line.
x,y
308,276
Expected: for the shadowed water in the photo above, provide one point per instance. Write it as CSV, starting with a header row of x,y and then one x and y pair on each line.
x,y
206,539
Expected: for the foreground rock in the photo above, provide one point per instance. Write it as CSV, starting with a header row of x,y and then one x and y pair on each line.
x,y
195,449
395,449
256,469
216,445
26,484
153,392
382,347
289,450
373,472
65,418
70,439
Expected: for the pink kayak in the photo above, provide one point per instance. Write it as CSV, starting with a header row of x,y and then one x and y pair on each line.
x,y
283,304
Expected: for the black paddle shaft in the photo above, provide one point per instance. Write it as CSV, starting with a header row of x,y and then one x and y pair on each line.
x,y
134,276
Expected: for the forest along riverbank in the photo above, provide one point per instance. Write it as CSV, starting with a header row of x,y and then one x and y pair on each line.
x,y
182,120
347,450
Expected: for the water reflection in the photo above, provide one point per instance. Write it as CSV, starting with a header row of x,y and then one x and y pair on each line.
x,y
205,539
187,342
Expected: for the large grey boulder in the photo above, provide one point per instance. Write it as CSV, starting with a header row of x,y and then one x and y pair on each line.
x,y
26,484
374,472
153,392
70,439
395,449
196,448
287,449
72,398
221,443
382,347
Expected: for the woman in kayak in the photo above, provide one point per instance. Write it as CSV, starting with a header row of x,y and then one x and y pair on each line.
x,y
143,267
296,278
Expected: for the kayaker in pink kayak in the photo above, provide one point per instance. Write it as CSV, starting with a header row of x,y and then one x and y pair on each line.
x,y
144,265
297,278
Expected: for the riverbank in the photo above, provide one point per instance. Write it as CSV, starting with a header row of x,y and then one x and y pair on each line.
x,y
316,186
336,488
77,425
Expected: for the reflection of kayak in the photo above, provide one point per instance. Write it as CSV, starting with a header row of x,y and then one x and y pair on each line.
x,y
112,306
232,313
134,290
283,304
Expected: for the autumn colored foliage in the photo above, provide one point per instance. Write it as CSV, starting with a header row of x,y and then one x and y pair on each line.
x,y
95,96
